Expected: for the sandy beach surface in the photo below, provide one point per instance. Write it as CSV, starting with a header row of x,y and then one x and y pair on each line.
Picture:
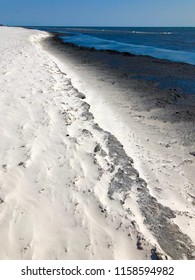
x,y
93,163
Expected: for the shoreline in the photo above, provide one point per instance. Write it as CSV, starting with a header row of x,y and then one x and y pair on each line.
x,y
106,167
154,126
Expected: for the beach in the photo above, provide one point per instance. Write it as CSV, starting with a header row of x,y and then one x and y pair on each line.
x,y
96,162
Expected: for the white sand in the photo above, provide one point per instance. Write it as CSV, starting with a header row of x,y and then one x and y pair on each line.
x,y
53,187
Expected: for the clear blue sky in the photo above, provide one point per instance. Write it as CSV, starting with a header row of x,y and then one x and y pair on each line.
x,y
98,12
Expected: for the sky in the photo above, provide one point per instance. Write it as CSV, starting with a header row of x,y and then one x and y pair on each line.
x,y
98,12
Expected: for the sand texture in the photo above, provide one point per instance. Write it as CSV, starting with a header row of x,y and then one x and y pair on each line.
x,y
90,168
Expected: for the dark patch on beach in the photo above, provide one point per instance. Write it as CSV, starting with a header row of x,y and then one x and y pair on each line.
x,y
97,148
155,255
22,164
81,95
1,201
158,218
86,113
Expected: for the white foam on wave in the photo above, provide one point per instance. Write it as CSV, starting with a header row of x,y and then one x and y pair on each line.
x,y
151,33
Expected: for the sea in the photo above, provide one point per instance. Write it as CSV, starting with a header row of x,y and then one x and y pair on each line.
x,y
172,43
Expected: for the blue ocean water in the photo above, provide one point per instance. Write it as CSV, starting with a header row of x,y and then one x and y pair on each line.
x,y
172,43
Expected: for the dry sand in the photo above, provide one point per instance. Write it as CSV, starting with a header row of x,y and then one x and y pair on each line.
x,y
91,167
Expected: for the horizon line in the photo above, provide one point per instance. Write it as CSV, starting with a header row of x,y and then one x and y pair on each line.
x,y
122,26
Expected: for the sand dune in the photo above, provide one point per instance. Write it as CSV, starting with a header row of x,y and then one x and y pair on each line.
x,y
68,188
